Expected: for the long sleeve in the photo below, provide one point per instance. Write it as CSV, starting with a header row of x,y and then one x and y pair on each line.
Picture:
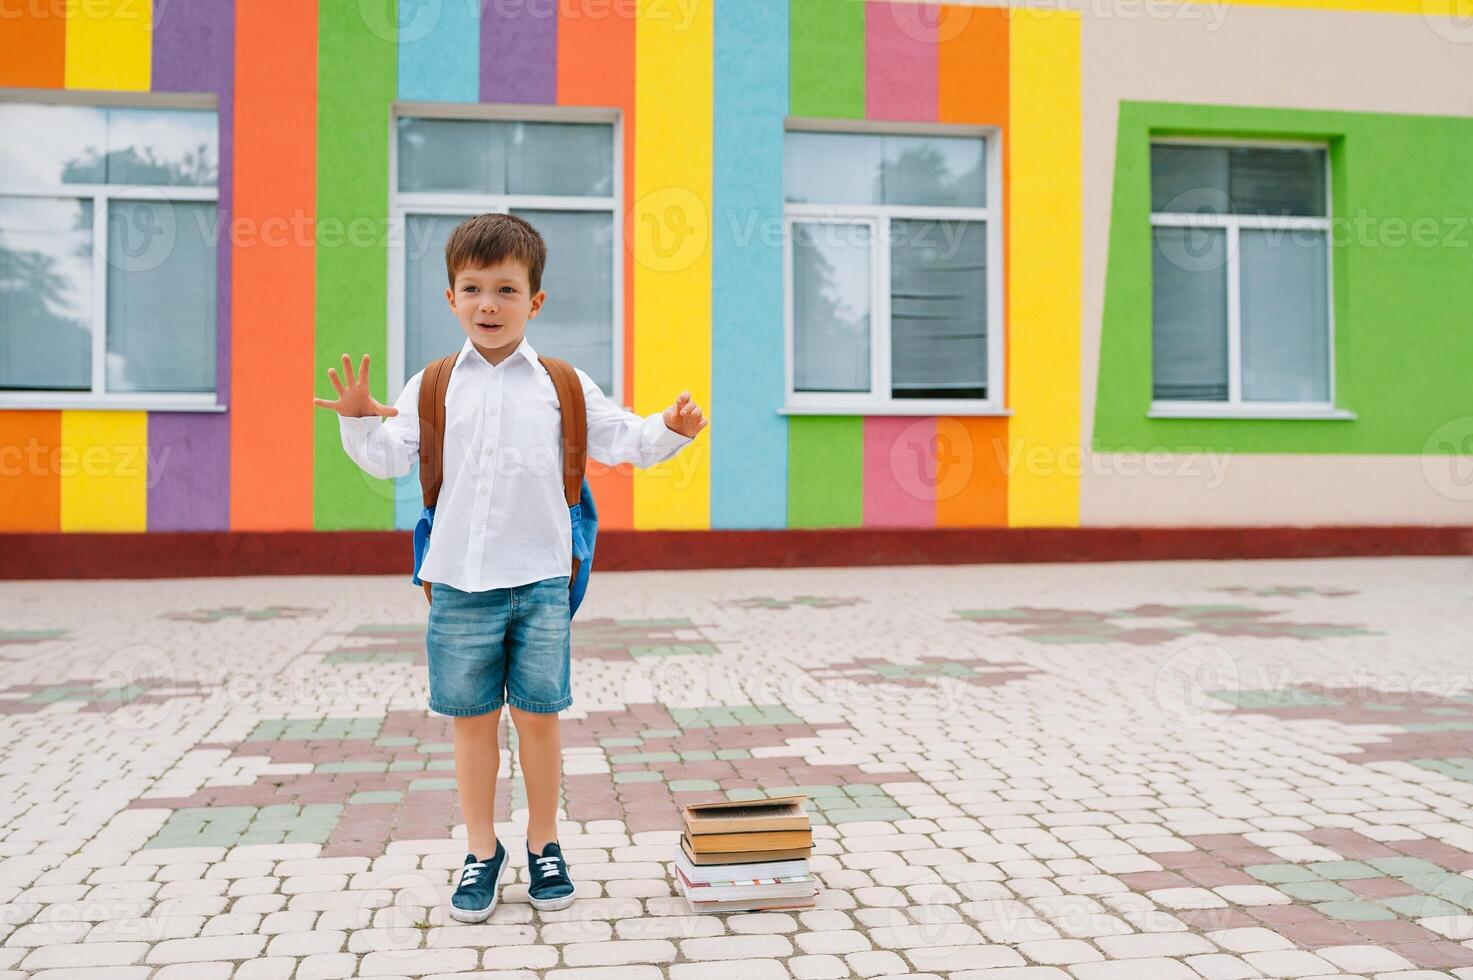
x,y
385,448
618,436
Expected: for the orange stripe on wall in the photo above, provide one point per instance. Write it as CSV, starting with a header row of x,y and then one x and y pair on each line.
x,y
972,88
33,37
971,473
595,67
272,296
30,481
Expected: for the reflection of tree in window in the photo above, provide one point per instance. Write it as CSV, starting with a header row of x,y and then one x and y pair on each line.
x,y
831,338
919,174
130,166
40,340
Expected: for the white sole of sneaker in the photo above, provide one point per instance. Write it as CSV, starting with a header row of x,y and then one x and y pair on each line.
x,y
481,915
553,904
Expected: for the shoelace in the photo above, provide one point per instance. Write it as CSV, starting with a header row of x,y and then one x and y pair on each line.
x,y
471,872
548,865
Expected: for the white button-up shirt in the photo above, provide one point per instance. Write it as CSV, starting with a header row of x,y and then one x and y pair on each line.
x,y
501,519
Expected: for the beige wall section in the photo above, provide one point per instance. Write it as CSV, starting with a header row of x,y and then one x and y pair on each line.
x,y
1253,56
1261,489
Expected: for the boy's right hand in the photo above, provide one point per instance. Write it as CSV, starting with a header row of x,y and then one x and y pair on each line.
x,y
354,401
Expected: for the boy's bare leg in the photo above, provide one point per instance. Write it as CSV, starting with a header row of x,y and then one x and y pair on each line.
x,y
477,758
541,755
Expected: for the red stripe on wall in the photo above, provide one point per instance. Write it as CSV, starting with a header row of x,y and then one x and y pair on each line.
x,y
273,297
33,39
30,471
595,67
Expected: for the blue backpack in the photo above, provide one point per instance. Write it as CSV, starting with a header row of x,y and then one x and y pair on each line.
x,y
581,512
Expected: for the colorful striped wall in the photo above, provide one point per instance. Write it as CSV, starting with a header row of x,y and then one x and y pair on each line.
x,y
305,93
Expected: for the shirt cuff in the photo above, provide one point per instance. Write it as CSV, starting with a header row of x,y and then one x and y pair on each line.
x,y
666,437
360,427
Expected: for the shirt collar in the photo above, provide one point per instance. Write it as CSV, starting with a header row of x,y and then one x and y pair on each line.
x,y
523,349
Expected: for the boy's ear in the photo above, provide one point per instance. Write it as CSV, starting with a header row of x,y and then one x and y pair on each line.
x,y
450,297
537,302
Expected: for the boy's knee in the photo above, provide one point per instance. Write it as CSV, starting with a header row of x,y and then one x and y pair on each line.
x,y
532,719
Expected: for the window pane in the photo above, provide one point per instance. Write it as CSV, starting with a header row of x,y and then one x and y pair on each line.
x,y
1238,180
51,144
1285,310
940,171
161,296
430,328
163,146
938,309
830,168
831,306
577,321
560,158
1278,181
1193,179
46,293
484,156
858,168
452,155
1189,314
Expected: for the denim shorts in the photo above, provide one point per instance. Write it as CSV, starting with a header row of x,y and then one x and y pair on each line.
x,y
504,646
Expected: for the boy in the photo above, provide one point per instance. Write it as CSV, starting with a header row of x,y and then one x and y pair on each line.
x,y
500,555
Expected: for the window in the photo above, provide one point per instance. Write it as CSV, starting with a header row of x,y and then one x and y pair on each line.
x,y
108,244
558,173
1241,317
893,278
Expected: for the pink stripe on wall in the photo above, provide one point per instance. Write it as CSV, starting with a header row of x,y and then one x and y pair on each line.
x,y
899,471
900,61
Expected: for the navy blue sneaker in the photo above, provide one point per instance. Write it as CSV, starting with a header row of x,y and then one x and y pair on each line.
x,y
475,896
549,885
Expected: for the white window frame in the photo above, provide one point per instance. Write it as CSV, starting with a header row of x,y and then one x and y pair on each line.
x,y
879,400
101,195
404,203
1235,407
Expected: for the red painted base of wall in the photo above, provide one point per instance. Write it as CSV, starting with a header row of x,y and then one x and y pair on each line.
x,y
186,554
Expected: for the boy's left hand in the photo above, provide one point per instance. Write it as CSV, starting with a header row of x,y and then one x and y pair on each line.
x,y
685,416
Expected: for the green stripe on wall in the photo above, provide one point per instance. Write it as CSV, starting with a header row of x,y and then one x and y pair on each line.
x,y
357,79
1401,297
825,471
827,58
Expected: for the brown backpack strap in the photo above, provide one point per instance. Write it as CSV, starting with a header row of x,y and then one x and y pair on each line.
x,y
432,387
575,425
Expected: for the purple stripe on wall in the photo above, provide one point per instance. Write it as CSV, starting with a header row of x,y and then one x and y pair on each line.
x,y
189,453
519,51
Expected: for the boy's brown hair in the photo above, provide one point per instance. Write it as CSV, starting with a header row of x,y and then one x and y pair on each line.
x,y
488,239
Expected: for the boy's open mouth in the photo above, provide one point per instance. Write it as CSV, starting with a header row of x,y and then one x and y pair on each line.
x,y
489,326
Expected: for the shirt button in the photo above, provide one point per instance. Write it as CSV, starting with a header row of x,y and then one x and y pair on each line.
x,y
484,491
491,411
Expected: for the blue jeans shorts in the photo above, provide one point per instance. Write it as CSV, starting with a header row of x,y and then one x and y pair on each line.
x,y
504,646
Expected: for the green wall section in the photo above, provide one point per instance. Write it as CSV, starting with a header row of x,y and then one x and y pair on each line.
x,y
357,77
1403,340
826,79
827,58
825,471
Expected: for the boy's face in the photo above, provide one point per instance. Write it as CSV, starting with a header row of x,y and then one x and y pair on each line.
x,y
493,304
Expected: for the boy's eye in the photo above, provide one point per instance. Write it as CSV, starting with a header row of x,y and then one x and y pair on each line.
x,y
509,289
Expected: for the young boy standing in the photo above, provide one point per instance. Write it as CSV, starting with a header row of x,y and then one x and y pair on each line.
x,y
500,555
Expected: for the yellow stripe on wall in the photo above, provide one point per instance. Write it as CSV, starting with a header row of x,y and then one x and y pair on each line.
x,y
670,237
1044,268
104,471
109,44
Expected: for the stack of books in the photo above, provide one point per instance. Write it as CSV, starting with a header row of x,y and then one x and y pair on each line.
x,y
745,855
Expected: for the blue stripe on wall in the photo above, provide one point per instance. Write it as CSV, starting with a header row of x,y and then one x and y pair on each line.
x,y
440,51
439,61
750,441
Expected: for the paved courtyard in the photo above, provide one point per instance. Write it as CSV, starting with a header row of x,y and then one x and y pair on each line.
x,y
1142,771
